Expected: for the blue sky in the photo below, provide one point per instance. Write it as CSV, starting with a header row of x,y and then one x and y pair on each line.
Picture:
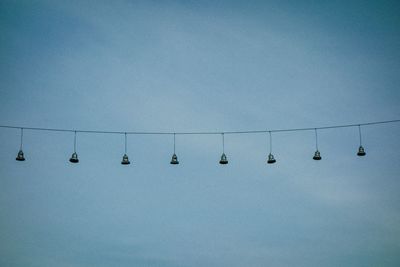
x,y
199,66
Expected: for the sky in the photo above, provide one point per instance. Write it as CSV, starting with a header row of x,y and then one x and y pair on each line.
x,y
181,66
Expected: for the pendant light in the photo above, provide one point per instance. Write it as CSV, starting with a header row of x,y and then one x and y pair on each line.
x,y
224,159
317,154
271,159
361,151
125,159
174,159
74,157
20,155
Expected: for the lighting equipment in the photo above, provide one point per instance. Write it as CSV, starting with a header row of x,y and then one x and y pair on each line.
x,y
74,157
20,156
361,150
317,154
174,159
271,159
224,159
125,159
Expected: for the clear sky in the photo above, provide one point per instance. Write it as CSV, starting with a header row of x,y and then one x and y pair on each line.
x,y
199,66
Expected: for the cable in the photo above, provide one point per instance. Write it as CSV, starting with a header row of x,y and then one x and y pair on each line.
x,y
22,138
126,143
75,142
200,133
223,143
174,143
270,142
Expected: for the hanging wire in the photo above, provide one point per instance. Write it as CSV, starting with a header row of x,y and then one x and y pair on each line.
x,y
22,138
359,133
75,142
316,138
126,143
174,143
223,143
270,142
200,132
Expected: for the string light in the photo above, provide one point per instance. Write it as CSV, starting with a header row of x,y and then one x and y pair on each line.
x,y
174,160
317,154
224,159
74,157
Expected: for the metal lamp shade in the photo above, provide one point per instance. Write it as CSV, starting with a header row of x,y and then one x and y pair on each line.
x,y
361,152
20,156
125,160
317,155
74,158
174,159
223,160
271,159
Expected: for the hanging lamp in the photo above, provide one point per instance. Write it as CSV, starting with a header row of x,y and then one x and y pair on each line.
x,y
224,159
125,158
317,154
174,159
361,150
20,155
271,159
74,156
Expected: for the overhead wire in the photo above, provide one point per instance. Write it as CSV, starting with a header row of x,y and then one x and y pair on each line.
x,y
199,132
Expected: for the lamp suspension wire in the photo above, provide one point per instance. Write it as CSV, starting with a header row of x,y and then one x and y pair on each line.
x,y
359,133
174,143
75,142
270,142
316,138
126,141
223,142
22,138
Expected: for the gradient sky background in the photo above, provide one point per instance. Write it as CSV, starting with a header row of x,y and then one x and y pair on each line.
x,y
199,66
